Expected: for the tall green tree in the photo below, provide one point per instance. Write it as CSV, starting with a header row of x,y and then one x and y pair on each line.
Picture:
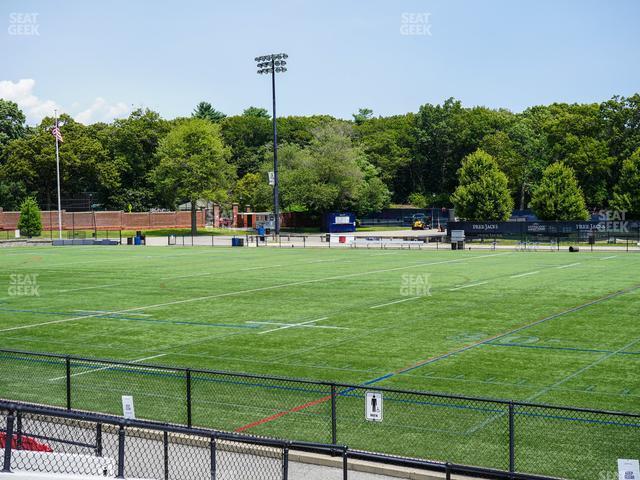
x,y
558,196
132,143
253,189
593,167
193,165
256,112
12,124
331,174
627,192
389,143
12,193
205,111
483,191
521,151
30,222
362,116
31,162
445,134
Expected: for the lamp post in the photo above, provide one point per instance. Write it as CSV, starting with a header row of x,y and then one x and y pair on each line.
x,y
272,64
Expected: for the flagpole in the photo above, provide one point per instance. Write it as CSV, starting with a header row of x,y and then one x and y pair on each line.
x,y
58,180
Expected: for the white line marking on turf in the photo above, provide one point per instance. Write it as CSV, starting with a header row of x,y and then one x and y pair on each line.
x,y
87,288
298,325
524,274
105,368
394,302
106,312
569,265
292,325
259,268
259,289
582,370
186,276
609,258
467,286
557,384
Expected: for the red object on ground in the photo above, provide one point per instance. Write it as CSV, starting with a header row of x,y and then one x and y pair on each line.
x,y
27,443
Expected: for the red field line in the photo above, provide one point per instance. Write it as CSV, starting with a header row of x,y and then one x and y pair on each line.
x,y
283,413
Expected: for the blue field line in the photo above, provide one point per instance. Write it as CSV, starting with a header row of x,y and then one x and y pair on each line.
x,y
549,347
116,316
343,393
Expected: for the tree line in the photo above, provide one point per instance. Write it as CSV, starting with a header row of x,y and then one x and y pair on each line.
x,y
562,160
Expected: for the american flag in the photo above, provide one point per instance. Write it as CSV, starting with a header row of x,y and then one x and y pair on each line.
x,y
55,131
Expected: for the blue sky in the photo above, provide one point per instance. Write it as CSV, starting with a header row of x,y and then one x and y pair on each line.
x,y
97,60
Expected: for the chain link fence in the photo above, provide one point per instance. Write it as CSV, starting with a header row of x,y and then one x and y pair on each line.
x,y
41,439
500,435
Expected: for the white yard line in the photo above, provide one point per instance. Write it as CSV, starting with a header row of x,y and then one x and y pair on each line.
x,y
186,276
582,370
524,274
88,288
305,325
106,312
394,302
292,325
258,268
609,258
105,368
569,265
555,385
259,289
467,286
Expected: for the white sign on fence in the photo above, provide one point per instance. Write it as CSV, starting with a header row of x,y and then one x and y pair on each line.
x,y
457,235
127,407
628,469
373,406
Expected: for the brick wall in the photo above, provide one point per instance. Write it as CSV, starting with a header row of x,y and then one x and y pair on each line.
x,y
107,220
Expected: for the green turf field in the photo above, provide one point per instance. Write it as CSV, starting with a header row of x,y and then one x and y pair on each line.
x,y
545,327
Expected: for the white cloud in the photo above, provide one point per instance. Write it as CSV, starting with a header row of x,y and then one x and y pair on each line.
x,y
35,108
102,111
21,92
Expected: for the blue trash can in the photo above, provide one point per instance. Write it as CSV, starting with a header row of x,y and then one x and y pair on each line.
x,y
137,240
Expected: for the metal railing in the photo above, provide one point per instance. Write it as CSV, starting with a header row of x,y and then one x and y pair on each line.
x,y
46,439
503,435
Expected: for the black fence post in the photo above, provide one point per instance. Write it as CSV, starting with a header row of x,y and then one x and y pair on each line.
x,y
165,441
334,432
67,362
512,440
121,437
447,471
212,448
189,418
98,439
285,463
18,430
345,465
7,444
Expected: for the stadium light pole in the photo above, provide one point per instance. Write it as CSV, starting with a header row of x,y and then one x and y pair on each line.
x,y
272,64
